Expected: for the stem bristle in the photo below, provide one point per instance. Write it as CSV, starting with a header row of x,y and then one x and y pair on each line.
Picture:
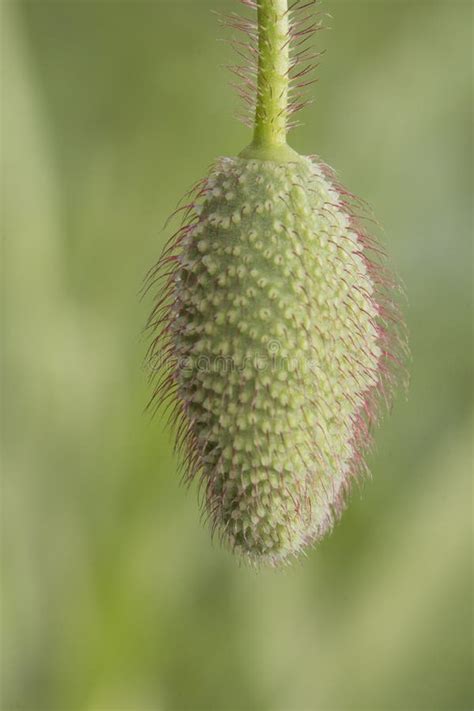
x,y
276,60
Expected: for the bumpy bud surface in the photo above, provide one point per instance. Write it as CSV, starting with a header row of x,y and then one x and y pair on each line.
x,y
275,332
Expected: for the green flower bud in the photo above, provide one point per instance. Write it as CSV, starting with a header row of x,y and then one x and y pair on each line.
x,y
276,333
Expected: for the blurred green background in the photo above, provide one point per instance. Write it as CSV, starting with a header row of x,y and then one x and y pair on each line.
x,y
113,597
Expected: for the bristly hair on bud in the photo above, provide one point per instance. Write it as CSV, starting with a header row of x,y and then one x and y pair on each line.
x,y
276,331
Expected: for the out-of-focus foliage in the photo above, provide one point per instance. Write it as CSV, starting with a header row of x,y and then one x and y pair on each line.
x,y
113,596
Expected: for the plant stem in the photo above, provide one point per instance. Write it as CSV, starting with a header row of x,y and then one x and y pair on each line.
x,y
273,68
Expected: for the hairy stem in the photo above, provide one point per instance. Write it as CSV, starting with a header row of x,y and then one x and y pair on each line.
x,y
273,68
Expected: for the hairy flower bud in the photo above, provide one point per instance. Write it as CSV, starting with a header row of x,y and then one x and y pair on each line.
x,y
278,333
